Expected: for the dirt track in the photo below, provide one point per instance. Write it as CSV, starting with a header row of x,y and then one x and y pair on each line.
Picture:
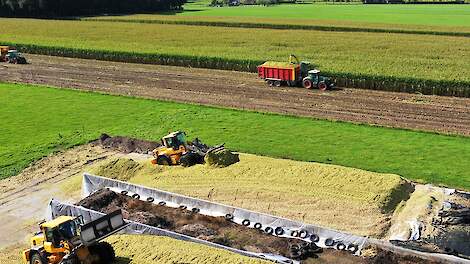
x,y
245,91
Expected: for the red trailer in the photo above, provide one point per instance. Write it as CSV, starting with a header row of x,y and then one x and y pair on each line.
x,y
277,72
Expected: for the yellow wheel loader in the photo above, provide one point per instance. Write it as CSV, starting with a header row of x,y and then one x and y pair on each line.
x,y
67,240
175,150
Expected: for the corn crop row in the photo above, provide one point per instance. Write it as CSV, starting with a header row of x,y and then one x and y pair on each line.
x,y
385,83
283,26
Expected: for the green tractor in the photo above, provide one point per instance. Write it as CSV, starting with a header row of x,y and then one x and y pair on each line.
x,y
315,80
15,57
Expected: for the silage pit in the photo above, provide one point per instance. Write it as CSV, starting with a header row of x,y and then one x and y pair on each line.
x,y
219,230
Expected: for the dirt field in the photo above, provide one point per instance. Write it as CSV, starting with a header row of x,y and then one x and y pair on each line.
x,y
246,91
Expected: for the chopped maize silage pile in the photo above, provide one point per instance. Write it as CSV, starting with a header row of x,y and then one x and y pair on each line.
x,y
347,199
143,249
221,158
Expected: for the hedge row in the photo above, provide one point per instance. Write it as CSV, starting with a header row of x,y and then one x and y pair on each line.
x,y
61,8
282,26
385,83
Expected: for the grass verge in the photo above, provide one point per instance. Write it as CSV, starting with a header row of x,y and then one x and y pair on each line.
x,y
37,121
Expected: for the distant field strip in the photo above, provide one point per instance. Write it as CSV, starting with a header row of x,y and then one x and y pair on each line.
x,y
413,63
292,24
432,15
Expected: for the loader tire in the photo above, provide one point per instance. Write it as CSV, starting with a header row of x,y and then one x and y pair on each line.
x,y
106,253
188,160
36,258
163,160
322,86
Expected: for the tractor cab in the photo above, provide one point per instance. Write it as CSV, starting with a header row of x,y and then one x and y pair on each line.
x,y
14,56
315,80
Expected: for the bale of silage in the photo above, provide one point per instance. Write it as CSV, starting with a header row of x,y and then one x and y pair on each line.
x,y
221,158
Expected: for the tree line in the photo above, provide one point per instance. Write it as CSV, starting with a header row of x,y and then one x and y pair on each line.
x,y
67,8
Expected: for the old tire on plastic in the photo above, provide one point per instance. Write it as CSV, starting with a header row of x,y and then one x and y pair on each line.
x,y
307,83
124,192
303,234
258,225
136,196
294,233
229,217
352,248
195,210
162,203
329,242
279,231
150,199
322,86
269,230
341,246
246,222
37,259
163,160
314,238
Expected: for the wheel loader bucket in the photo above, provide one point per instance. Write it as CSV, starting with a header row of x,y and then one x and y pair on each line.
x,y
96,230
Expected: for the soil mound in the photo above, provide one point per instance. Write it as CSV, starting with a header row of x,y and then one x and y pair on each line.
x,y
126,144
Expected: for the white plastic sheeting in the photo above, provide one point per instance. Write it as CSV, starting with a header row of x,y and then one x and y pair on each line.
x,y
57,208
327,238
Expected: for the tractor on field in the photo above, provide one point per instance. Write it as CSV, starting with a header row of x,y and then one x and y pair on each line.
x,y
175,150
11,55
293,73
67,240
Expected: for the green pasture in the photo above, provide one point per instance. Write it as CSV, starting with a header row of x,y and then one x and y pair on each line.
x,y
437,15
37,121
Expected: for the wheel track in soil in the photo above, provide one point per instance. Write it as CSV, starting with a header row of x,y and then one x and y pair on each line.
x,y
245,91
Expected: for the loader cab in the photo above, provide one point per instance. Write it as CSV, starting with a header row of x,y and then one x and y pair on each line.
x,y
174,140
63,228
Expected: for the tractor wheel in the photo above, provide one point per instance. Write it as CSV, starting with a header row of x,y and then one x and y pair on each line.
x,y
277,83
307,83
36,258
163,160
322,86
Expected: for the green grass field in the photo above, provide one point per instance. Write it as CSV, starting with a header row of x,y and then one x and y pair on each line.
x,y
37,121
407,57
437,15
413,19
